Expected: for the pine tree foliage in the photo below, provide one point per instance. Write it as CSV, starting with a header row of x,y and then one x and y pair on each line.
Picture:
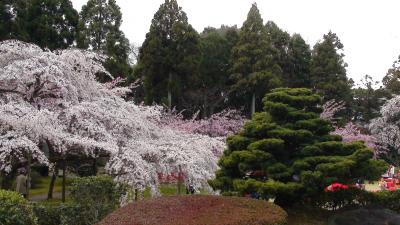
x,y
328,69
392,79
13,20
254,69
297,69
169,57
52,24
99,29
287,152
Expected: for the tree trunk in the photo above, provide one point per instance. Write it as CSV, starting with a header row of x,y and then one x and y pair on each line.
x,y
179,180
63,181
169,91
28,180
136,195
253,104
94,167
52,182
205,106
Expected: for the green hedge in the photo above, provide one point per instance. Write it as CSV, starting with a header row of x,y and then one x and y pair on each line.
x,y
15,210
59,214
92,199
354,198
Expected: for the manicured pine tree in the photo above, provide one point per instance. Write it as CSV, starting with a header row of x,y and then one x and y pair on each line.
x,y
328,70
254,70
286,152
13,20
52,23
169,57
99,30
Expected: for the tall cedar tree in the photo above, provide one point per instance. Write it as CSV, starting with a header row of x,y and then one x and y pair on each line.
x,y
99,30
328,70
169,57
254,69
392,79
213,83
287,152
52,23
297,70
13,18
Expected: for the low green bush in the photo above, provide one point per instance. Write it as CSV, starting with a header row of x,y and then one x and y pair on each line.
x,y
355,198
382,199
15,210
97,196
59,214
92,199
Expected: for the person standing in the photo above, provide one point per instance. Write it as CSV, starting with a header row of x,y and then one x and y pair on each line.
x,y
22,183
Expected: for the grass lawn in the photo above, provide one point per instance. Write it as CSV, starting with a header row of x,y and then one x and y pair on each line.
x,y
42,186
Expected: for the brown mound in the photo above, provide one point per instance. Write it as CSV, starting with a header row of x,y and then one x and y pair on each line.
x,y
198,210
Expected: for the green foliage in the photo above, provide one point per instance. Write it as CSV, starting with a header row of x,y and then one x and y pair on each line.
x,y
52,23
99,29
328,70
169,57
14,210
215,47
253,66
292,148
97,196
391,80
368,100
13,23
60,214
297,68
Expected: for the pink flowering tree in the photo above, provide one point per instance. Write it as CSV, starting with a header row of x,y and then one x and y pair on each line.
x,y
53,98
220,124
350,132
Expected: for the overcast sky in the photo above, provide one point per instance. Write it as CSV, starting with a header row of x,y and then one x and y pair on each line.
x,y
369,29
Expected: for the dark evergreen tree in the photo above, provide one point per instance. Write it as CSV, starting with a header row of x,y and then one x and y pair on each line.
x,y
99,30
279,47
328,70
287,152
254,68
368,100
297,69
169,57
213,82
392,79
52,23
13,20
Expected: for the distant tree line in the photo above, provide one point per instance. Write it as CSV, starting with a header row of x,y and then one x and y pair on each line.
x,y
219,68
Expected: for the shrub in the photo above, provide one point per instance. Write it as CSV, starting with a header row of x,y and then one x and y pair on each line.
x,y
15,210
96,196
198,209
59,214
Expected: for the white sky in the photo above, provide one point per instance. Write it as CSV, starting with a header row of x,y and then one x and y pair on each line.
x,y
369,29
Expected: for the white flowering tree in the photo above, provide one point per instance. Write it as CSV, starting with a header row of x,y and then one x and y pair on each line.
x,y
386,130
54,98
